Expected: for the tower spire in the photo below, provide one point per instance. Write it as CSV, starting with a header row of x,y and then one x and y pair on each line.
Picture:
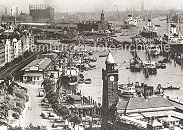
x,y
110,59
102,19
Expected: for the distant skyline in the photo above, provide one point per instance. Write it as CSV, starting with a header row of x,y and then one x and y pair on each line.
x,y
94,5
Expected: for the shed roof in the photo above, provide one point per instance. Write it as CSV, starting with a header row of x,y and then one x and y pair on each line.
x,y
40,63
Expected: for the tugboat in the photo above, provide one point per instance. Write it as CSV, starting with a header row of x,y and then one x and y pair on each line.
x,y
149,30
130,22
127,90
135,64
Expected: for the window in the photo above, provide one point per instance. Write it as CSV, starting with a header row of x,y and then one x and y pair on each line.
x,y
37,78
25,77
34,78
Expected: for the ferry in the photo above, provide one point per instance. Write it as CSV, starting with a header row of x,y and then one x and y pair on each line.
x,y
127,90
149,30
71,75
130,22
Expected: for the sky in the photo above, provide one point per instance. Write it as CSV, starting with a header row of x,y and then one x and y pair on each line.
x,y
94,5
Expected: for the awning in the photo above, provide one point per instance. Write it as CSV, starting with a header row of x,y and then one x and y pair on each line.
x,y
136,116
156,113
163,113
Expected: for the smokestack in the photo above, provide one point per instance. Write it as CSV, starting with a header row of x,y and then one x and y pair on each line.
x,y
5,11
145,91
11,12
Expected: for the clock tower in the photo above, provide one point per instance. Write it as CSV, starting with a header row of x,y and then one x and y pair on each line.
x,y
110,94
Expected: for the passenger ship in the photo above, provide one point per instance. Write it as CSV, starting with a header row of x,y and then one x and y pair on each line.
x,y
70,75
130,22
149,30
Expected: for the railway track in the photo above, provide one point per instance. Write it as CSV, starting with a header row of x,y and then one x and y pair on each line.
x,y
10,72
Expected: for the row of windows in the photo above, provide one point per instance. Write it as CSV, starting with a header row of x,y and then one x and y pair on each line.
x,y
34,78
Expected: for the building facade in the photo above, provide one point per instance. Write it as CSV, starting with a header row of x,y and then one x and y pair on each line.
x,y
2,53
100,25
41,13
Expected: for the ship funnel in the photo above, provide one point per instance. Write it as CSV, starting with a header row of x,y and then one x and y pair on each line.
x,y
173,29
129,16
149,23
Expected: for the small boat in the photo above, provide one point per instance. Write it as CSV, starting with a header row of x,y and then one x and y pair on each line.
x,y
171,88
113,36
91,66
161,65
93,59
135,64
81,76
88,81
157,25
165,60
103,55
90,53
81,81
127,90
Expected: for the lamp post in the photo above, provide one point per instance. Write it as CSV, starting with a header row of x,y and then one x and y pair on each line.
x,y
20,120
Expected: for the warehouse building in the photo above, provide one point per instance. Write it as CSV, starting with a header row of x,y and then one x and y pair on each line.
x,y
37,70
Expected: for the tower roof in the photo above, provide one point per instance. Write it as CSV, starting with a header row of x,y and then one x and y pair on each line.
x,y
110,59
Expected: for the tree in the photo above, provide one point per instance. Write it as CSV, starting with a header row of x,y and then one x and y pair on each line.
x,y
75,119
63,111
31,127
15,128
70,100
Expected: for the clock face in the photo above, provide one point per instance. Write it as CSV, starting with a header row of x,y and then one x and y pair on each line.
x,y
111,78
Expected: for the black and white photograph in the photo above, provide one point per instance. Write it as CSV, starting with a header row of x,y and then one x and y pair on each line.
x,y
91,64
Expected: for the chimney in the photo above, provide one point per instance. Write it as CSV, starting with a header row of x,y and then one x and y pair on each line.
x,y
142,85
145,91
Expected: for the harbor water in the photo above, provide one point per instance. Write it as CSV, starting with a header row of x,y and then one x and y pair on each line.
x,y
172,75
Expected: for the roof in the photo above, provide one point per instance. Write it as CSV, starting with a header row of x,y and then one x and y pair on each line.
x,y
48,41
156,113
177,105
49,55
40,63
150,102
140,104
122,105
110,59
35,24
76,97
33,74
